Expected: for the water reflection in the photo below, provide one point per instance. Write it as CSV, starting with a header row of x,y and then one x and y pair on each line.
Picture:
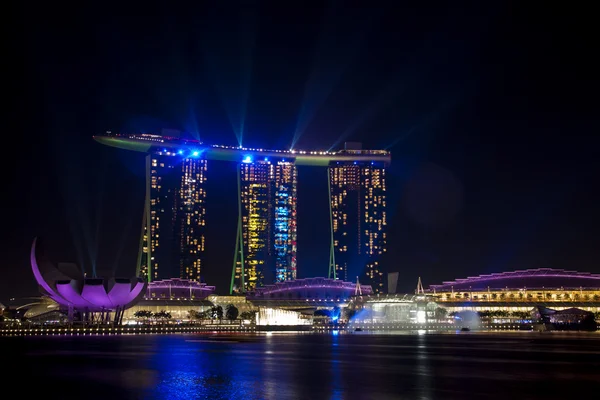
x,y
337,386
334,366
187,371
423,370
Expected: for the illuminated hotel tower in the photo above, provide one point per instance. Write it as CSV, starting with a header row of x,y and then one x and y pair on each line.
x,y
358,219
284,220
172,242
266,238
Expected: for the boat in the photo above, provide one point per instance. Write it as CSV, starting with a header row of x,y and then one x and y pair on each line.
x,y
464,329
358,330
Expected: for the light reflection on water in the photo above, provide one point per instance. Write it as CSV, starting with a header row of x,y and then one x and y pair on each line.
x,y
314,366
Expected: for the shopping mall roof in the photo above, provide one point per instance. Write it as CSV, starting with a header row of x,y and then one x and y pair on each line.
x,y
310,284
173,302
541,278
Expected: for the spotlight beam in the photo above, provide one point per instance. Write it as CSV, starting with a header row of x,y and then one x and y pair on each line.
x,y
234,102
331,60
390,92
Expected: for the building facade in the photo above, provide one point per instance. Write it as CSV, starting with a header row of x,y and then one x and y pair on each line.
x,y
266,238
285,220
520,291
173,233
357,191
172,242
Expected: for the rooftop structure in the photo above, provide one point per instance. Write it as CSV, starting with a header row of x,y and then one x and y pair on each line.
x,y
192,148
308,289
180,289
40,308
541,278
520,291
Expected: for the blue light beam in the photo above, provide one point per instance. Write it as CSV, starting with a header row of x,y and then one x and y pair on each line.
x,y
330,62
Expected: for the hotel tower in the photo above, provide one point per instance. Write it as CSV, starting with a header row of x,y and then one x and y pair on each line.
x,y
358,219
172,239
173,228
266,238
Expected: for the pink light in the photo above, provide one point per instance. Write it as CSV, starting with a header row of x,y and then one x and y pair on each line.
x,y
88,294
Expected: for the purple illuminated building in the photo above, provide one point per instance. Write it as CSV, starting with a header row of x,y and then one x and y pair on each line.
x,y
540,278
520,291
68,286
180,289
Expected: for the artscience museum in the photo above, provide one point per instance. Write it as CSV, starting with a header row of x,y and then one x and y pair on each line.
x,y
95,299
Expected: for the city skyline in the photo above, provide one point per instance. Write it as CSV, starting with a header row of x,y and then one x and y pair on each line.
x,y
225,148
488,112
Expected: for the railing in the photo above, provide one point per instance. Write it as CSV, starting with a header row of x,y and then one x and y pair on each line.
x,y
518,299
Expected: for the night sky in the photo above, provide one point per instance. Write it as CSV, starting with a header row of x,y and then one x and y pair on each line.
x,y
490,114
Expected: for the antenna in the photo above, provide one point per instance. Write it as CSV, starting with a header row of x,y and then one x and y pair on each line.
x,y
420,289
357,290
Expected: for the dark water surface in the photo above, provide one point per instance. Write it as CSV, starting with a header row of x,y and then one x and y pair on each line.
x,y
467,365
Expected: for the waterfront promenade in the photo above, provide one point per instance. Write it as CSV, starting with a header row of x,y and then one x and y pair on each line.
x,y
318,328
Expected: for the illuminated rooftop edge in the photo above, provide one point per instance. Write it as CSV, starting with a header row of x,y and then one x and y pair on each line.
x,y
176,283
191,148
522,274
311,283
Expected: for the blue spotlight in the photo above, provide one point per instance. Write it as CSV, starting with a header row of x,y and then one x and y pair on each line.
x,y
266,158
180,152
164,150
196,153
247,160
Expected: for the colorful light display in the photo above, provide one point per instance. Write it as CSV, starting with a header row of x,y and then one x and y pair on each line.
x,y
266,245
69,288
278,317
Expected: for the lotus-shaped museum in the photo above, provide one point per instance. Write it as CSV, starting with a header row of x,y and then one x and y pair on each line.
x,y
68,286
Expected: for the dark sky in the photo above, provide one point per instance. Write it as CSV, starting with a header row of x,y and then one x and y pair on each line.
x,y
490,114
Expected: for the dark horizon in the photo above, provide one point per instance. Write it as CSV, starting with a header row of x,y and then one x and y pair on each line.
x,y
489,113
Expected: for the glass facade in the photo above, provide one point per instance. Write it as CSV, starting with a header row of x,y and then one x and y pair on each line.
x,y
358,221
267,248
173,237
284,218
